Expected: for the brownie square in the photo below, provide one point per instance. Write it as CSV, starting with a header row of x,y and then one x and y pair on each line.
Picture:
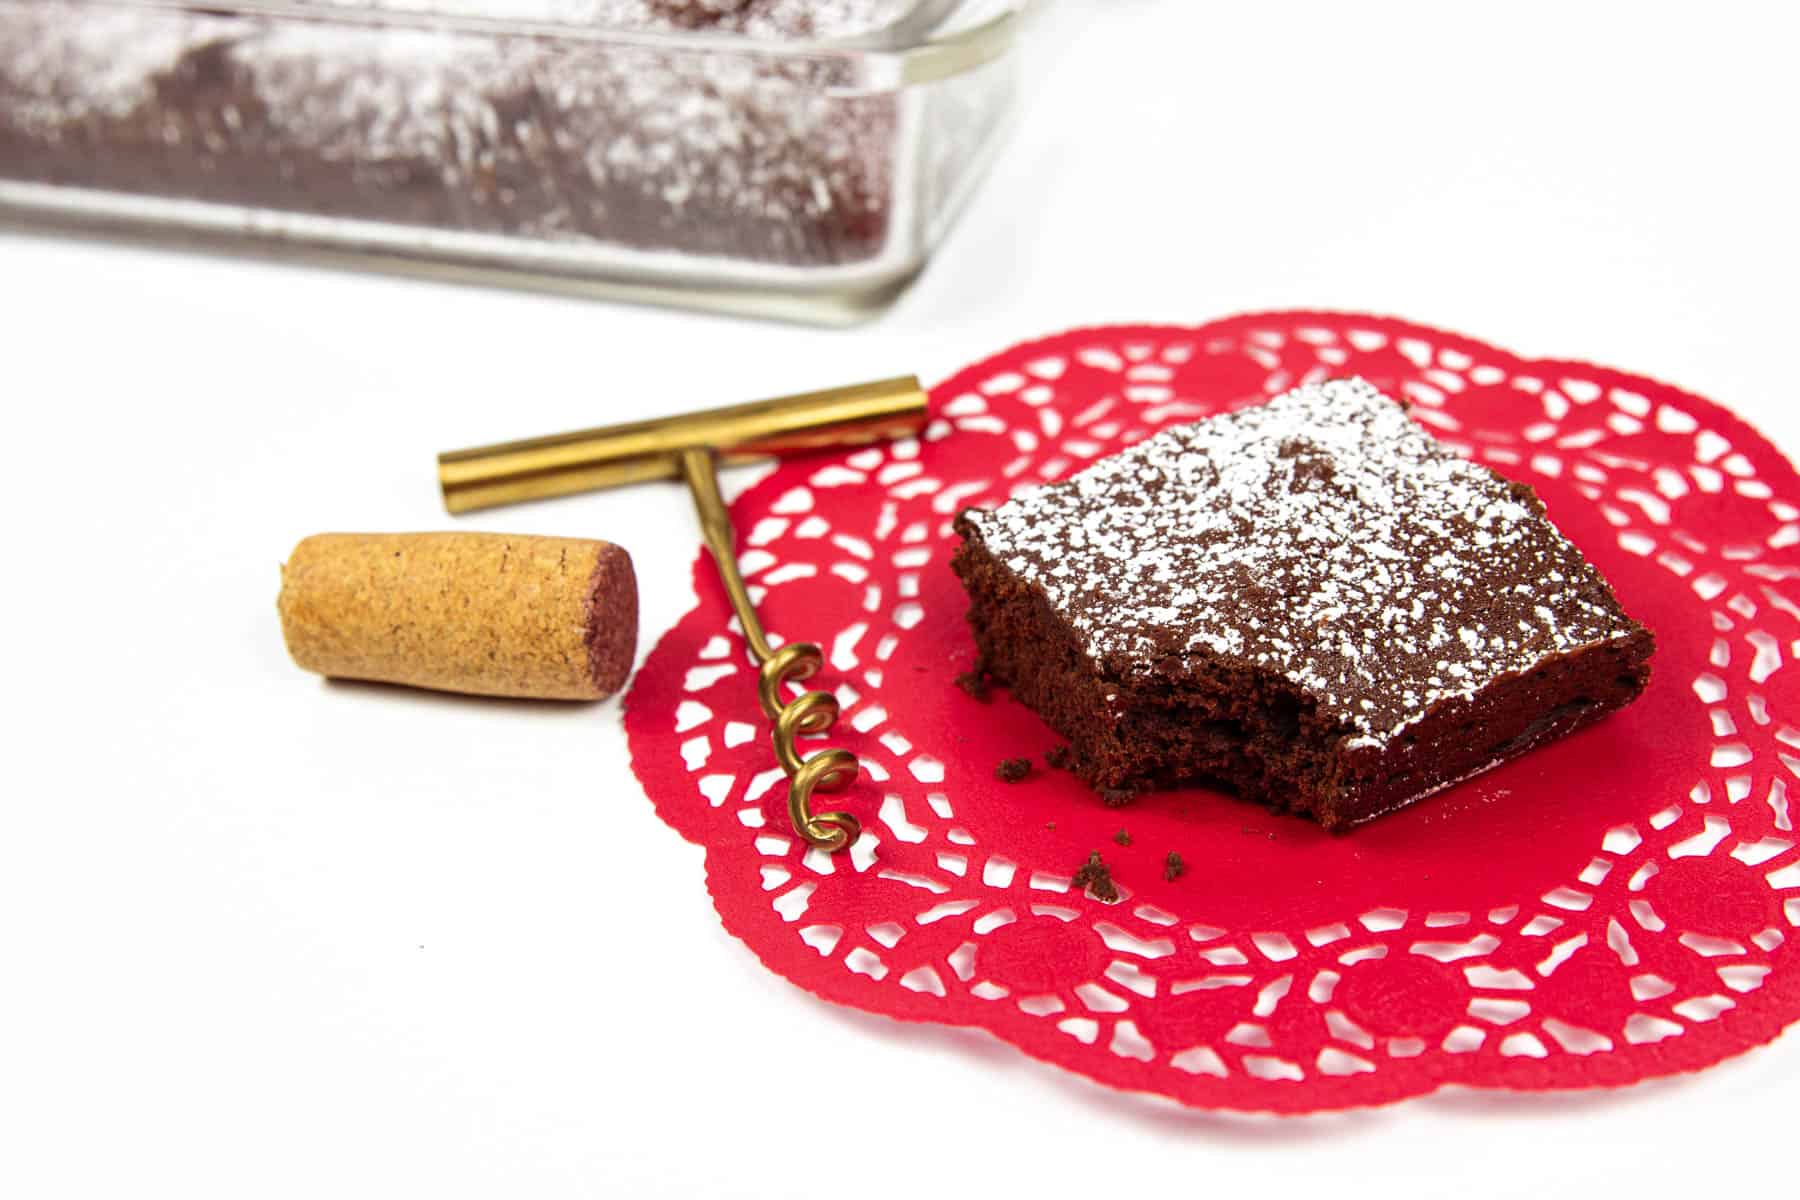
x,y
1311,601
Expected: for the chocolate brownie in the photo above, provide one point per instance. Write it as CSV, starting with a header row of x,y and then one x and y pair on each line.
x,y
1311,601
568,141
1012,770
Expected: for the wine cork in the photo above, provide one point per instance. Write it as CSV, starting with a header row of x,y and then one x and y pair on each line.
x,y
484,613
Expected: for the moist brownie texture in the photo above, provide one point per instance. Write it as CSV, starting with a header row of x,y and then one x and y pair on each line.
x,y
559,140
1311,601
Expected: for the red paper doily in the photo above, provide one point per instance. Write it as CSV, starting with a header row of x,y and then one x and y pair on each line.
x,y
1619,905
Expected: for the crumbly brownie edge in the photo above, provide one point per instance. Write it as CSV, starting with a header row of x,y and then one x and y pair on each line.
x,y
1023,645
1211,720
1205,720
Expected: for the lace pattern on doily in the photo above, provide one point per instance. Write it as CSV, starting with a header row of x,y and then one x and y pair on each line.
x,y
1616,906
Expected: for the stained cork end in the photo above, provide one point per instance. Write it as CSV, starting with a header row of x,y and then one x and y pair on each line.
x,y
612,619
484,614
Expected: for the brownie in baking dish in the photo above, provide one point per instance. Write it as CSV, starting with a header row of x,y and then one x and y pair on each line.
x,y
1310,601
570,141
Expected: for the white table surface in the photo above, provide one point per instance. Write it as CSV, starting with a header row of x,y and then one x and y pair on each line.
x,y
263,936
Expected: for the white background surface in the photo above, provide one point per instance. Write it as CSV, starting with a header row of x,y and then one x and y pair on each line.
x,y
263,936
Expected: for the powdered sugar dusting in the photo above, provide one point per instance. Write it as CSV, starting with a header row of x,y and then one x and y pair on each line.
x,y
58,63
1322,536
712,153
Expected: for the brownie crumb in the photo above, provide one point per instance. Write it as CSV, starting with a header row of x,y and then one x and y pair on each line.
x,y
1097,879
1122,837
1173,867
975,683
1117,797
1011,770
1061,757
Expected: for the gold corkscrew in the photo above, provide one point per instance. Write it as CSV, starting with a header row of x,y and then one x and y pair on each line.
x,y
690,447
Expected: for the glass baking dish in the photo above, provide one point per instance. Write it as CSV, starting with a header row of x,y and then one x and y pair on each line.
x,y
698,152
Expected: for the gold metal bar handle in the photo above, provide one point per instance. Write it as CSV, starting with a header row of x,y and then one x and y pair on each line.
x,y
611,456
